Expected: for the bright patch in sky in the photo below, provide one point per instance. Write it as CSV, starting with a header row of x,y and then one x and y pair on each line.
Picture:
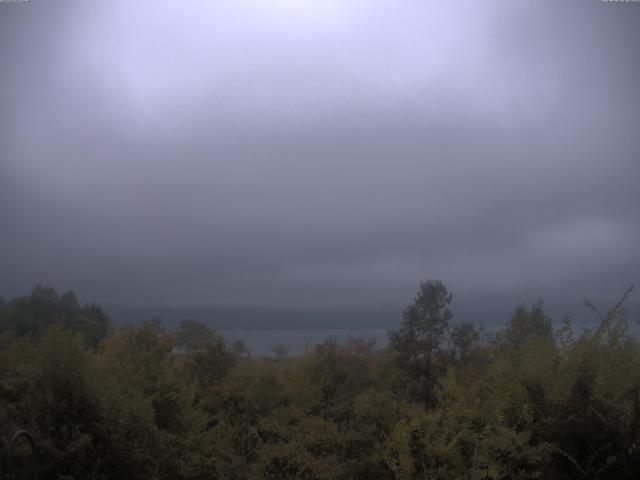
x,y
340,149
318,13
264,60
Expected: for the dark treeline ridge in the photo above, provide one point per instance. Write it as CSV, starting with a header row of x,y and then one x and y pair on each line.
x,y
445,400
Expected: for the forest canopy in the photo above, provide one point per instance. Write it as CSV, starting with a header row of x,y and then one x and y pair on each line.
x,y
445,399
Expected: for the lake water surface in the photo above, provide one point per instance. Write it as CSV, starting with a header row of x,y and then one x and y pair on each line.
x,y
296,341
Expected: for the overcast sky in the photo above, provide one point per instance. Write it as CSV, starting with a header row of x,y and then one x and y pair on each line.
x,y
318,152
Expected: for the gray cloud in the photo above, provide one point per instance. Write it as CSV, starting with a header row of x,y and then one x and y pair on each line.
x,y
318,153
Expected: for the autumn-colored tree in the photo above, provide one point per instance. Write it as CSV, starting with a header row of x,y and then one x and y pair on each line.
x,y
439,403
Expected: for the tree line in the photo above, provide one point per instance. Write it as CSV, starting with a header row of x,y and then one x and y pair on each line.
x,y
444,399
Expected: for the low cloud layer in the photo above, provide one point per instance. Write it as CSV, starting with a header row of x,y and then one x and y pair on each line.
x,y
318,153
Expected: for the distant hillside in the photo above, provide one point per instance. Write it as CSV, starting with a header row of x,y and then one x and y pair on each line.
x,y
490,312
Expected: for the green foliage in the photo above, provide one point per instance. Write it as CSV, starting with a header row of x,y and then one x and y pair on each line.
x,y
149,403
526,322
193,336
32,315
465,337
420,338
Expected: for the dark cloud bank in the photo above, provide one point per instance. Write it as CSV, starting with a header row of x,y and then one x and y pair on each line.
x,y
317,160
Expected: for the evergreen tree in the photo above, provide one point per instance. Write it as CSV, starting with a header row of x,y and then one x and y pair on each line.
x,y
419,342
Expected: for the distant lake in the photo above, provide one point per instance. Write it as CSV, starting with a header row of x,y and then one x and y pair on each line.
x,y
260,342
296,341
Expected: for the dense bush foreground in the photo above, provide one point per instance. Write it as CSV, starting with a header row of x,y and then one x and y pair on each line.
x,y
443,401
